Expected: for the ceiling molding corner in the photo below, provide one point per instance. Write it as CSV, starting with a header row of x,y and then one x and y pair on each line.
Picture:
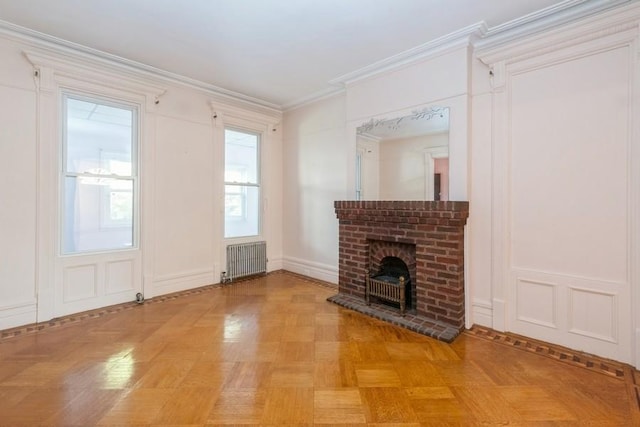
x,y
545,19
571,29
436,47
314,97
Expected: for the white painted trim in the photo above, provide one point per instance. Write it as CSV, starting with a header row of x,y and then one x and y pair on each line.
x,y
556,38
183,281
634,198
567,277
183,275
54,74
275,264
17,305
518,317
123,65
314,97
615,297
499,322
596,34
226,113
73,71
479,34
46,190
453,41
316,270
18,314
545,19
482,312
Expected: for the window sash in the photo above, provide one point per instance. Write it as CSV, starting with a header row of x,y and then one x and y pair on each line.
x,y
244,218
86,193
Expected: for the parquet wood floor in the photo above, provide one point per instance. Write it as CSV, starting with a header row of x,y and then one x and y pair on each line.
x,y
272,351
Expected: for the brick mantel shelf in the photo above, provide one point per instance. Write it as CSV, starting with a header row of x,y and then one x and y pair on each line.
x,y
429,237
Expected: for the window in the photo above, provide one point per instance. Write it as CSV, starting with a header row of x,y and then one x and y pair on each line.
x,y
241,184
99,175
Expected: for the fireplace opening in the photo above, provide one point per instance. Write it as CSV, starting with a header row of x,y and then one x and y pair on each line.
x,y
391,284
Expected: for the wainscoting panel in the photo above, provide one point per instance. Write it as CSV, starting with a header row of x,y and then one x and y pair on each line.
x,y
80,282
537,302
581,313
593,314
119,276
87,282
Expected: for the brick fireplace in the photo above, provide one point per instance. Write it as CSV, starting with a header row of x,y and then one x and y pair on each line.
x,y
428,237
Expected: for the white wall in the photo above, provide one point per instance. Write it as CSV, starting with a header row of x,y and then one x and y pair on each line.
x,y
315,175
181,243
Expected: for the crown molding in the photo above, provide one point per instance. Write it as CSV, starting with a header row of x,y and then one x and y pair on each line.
x,y
543,20
222,107
314,97
488,43
132,68
436,47
64,64
620,18
482,38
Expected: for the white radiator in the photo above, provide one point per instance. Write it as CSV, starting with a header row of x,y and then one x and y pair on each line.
x,y
246,259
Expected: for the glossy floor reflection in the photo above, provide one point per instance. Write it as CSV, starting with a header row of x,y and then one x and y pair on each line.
x,y
272,351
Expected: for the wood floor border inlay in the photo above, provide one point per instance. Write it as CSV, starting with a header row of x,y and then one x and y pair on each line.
x,y
566,355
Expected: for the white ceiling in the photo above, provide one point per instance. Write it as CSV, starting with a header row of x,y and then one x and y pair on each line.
x,y
276,51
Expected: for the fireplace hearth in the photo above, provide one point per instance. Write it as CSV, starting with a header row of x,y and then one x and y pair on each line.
x,y
421,239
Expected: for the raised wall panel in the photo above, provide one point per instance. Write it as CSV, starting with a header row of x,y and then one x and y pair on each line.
x,y
562,182
593,314
119,276
568,167
80,282
18,172
536,302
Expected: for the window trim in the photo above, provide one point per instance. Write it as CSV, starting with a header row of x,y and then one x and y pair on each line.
x,y
135,108
243,185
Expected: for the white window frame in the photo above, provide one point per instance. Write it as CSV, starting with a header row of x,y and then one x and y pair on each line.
x,y
242,186
134,177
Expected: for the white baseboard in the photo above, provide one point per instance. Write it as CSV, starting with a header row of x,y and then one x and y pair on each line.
x,y
316,270
18,314
482,313
275,264
499,315
183,281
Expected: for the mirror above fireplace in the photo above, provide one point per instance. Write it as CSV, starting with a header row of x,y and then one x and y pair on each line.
x,y
404,158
